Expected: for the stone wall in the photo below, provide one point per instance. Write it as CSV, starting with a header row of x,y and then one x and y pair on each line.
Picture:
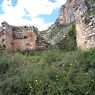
x,y
22,38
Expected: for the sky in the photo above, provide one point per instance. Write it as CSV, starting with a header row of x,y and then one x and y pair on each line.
x,y
39,13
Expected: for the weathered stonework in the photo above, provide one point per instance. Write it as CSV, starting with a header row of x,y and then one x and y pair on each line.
x,y
23,38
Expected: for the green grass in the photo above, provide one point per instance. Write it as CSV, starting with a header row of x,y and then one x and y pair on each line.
x,y
48,73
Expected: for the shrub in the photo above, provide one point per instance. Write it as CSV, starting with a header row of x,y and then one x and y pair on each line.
x,y
50,56
4,66
69,42
67,73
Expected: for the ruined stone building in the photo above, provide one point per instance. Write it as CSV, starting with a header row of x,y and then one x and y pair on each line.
x,y
22,38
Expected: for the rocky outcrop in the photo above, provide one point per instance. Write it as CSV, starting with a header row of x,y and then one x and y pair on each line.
x,y
56,33
66,14
85,24
22,38
82,14
63,24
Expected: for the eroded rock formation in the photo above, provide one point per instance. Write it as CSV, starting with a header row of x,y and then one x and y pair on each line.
x,y
22,38
82,12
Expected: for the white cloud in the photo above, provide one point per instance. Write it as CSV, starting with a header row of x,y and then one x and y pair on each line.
x,y
38,22
13,15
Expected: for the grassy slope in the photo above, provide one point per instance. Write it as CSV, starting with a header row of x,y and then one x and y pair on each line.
x,y
48,73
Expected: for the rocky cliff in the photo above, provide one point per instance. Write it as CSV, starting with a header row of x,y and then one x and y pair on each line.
x,y
85,24
81,13
20,38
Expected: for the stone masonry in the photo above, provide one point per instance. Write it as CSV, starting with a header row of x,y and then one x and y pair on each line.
x,y
22,38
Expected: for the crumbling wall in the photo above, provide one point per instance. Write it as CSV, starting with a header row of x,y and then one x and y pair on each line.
x,y
21,38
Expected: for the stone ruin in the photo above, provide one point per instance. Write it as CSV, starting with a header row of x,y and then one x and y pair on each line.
x,y
20,38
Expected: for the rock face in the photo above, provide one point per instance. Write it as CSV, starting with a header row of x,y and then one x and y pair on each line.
x,y
66,13
23,38
85,24
56,33
82,12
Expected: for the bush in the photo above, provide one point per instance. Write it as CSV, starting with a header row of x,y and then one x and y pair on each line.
x,y
69,42
54,73
50,57
4,66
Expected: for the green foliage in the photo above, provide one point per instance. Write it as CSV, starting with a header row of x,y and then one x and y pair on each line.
x,y
69,42
61,26
50,57
1,50
90,10
90,7
3,66
52,73
53,32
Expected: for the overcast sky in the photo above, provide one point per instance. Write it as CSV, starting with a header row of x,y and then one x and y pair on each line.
x,y
40,13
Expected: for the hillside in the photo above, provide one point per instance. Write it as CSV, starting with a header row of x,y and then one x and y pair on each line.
x,y
81,14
